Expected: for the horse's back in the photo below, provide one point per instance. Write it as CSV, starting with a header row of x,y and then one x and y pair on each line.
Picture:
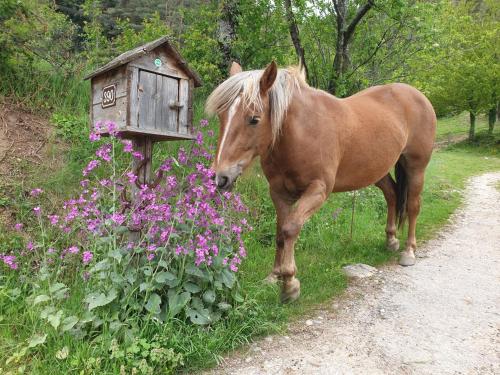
x,y
386,122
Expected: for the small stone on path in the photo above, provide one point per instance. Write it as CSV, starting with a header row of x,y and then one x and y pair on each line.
x,y
359,270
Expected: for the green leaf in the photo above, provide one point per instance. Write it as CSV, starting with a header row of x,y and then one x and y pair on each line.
x,y
37,340
200,317
209,296
145,287
56,287
191,287
100,299
176,302
47,311
163,276
153,304
224,306
40,299
163,264
194,271
55,319
69,323
115,254
228,278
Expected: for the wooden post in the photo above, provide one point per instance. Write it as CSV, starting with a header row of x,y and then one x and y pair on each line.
x,y
144,145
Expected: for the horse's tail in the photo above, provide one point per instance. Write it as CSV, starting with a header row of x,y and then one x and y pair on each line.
x,y
401,193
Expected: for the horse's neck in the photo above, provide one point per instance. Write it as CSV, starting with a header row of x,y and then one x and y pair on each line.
x,y
309,112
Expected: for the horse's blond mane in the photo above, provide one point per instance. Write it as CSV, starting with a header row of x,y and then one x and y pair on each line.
x,y
246,85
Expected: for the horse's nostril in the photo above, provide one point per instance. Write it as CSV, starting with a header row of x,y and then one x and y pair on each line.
x,y
222,181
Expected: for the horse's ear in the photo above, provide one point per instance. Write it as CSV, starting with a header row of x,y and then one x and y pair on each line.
x,y
268,77
235,69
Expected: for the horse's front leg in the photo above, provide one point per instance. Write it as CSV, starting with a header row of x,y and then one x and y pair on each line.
x,y
310,201
283,208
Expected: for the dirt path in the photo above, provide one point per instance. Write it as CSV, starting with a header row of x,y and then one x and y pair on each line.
x,y
441,316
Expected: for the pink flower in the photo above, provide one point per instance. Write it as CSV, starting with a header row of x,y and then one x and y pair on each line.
x,y
37,210
30,246
9,261
54,219
132,178
87,257
127,145
203,123
137,155
73,250
19,227
94,137
90,166
36,192
104,152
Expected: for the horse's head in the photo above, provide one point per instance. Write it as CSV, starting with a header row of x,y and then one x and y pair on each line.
x,y
245,123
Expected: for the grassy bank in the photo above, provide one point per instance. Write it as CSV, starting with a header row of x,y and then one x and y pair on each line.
x,y
325,245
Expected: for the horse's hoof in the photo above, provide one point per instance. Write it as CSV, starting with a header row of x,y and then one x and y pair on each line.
x,y
407,258
272,278
290,291
393,244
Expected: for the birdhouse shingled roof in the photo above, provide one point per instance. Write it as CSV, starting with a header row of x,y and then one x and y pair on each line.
x,y
128,56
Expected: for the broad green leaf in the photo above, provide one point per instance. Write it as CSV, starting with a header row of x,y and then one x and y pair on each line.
x,y
145,287
163,264
40,299
209,296
37,340
100,299
228,278
224,306
176,302
56,287
47,311
163,276
153,304
200,317
115,254
69,323
55,319
191,287
194,271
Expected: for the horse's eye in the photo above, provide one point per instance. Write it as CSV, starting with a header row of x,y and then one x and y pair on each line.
x,y
254,120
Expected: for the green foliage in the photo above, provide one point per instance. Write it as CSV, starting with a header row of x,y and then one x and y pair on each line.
x,y
462,65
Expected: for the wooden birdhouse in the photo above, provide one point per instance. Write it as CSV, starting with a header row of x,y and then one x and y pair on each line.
x,y
146,92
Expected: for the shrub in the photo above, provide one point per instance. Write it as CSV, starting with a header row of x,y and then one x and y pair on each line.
x,y
171,253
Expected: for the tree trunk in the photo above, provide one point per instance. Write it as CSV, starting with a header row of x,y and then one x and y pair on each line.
x,y
294,34
472,128
492,117
226,33
345,32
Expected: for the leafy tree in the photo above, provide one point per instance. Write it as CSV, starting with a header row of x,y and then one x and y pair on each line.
x,y
461,70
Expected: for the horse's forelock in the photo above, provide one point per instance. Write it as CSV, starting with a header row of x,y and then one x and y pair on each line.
x,y
246,85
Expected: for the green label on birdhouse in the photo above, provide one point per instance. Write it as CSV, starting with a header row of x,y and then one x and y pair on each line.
x,y
158,62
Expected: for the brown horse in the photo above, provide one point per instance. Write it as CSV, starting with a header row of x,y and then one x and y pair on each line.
x,y
311,144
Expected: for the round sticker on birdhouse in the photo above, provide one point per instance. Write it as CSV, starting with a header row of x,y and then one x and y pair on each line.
x,y
158,62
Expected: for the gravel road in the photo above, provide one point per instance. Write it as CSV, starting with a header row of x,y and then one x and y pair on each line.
x,y
441,316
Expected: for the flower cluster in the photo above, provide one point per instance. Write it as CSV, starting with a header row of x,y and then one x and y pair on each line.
x,y
183,216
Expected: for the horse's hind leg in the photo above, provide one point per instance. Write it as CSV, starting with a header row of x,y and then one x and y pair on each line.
x,y
388,187
415,185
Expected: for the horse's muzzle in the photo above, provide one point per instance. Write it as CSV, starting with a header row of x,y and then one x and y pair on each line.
x,y
226,178
224,181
